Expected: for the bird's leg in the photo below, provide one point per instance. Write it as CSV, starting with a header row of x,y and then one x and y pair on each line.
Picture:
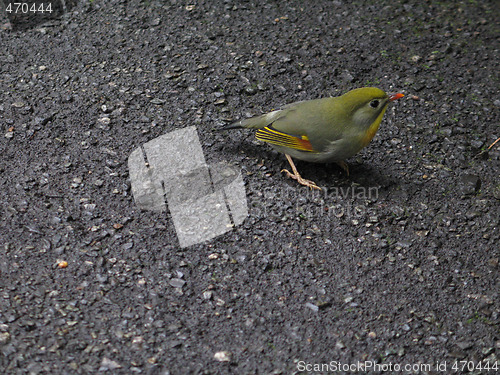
x,y
342,164
297,176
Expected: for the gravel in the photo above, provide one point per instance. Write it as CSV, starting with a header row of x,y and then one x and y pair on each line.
x,y
396,263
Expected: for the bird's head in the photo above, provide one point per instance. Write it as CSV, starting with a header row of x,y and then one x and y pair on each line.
x,y
367,105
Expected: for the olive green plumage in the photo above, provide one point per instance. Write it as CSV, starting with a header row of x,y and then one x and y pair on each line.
x,y
323,130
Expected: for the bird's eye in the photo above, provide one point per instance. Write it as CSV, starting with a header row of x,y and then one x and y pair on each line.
x,y
374,103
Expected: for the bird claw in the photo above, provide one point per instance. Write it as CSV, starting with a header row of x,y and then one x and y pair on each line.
x,y
310,184
342,164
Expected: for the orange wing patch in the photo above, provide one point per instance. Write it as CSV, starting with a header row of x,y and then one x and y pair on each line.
x,y
275,137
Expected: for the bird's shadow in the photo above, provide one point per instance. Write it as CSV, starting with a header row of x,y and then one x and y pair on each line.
x,y
329,175
241,145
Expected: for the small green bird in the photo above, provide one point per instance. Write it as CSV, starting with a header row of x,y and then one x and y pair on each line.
x,y
322,130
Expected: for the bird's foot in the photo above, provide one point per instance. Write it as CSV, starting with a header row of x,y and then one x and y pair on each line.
x,y
342,164
310,184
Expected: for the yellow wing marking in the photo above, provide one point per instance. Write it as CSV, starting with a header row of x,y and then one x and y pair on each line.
x,y
275,137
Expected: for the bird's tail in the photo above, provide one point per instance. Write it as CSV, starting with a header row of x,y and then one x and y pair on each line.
x,y
257,122
234,125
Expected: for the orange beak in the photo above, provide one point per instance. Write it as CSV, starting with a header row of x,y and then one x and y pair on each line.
x,y
393,97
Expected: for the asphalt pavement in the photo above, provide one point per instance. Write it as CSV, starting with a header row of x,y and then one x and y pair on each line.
x,y
137,238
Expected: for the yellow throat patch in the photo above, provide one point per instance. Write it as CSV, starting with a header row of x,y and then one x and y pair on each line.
x,y
372,130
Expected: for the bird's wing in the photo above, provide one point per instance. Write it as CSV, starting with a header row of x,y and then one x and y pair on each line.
x,y
270,135
307,126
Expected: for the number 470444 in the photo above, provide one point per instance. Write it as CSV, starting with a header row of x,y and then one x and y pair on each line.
x,y
471,366
17,8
